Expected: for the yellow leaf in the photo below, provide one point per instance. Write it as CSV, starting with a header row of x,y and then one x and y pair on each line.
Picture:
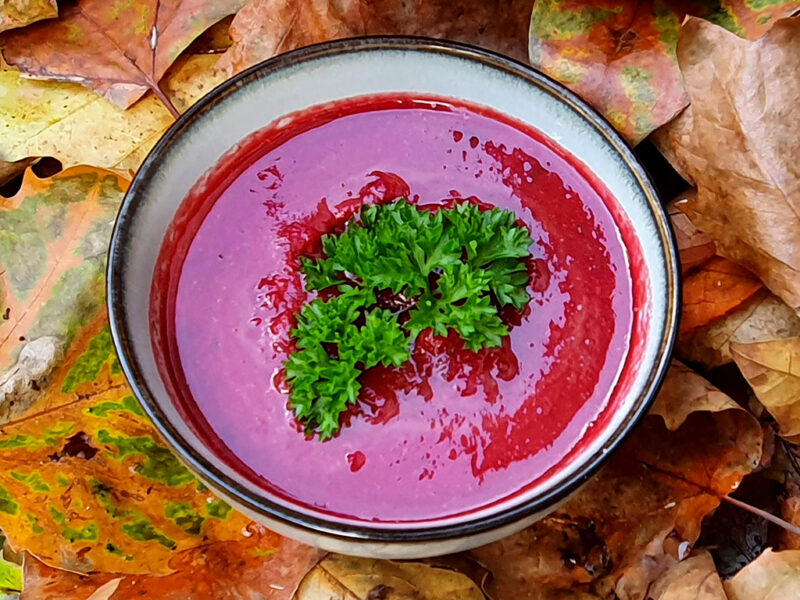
x,y
76,126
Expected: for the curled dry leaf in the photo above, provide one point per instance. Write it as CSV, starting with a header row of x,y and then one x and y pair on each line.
x,y
694,578
267,27
74,125
118,50
763,317
772,576
643,511
19,13
620,56
714,290
694,246
53,239
743,161
772,368
263,566
340,577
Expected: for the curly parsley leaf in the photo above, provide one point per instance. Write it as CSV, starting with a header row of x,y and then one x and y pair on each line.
x,y
453,267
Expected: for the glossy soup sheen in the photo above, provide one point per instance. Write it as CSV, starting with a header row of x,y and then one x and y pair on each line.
x,y
452,431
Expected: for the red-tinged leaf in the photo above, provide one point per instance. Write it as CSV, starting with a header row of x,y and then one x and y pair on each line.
x,y
500,25
717,288
120,50
263,566
620,56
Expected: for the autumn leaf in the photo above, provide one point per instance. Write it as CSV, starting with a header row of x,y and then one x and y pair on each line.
x,y
718,287
620,56
262,566
119,50
694,578
18,13
68,122
763,317
772,576
643,511
772,368
742,162
340,577
53,240
264,28
694,246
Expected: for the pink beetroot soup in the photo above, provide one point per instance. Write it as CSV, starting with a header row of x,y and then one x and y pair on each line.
x,y
451,431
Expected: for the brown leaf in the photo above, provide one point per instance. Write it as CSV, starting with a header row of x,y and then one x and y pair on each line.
x,y
694,246
261,567
772,576
643,511
742,161
620,56
772,368
119,50
790,511
74,125
19,13
718,287
340,577
266,27
763,317
694,578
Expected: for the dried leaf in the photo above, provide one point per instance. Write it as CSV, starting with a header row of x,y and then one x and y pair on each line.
x,y
620,56
18,13
53,239
764,317
263,566
772,576
790,511
694,578
120,50
717,288
772,368
264,28
643,511
10,170
694,246
74,125
744,164
349,578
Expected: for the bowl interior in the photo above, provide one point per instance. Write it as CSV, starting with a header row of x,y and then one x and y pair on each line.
x,y
331,72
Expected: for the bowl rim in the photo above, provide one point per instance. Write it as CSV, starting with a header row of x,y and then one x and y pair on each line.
x,y
260,504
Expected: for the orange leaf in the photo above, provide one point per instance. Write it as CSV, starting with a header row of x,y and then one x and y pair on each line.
x,y
713,291
263,566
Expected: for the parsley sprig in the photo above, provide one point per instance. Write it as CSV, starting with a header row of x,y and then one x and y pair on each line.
x,y
449,269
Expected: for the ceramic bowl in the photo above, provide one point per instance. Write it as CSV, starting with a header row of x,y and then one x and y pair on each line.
x,y
344,69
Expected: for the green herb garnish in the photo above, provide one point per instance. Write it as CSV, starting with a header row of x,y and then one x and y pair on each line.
x,y
449,269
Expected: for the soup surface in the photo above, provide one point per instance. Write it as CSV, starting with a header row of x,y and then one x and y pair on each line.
x,y
452,430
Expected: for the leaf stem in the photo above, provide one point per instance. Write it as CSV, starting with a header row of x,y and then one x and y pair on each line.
x,y
165,100
763,514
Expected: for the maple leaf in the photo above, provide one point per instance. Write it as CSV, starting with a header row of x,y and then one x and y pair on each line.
x,y
75,126
743,164
119,49
620,56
